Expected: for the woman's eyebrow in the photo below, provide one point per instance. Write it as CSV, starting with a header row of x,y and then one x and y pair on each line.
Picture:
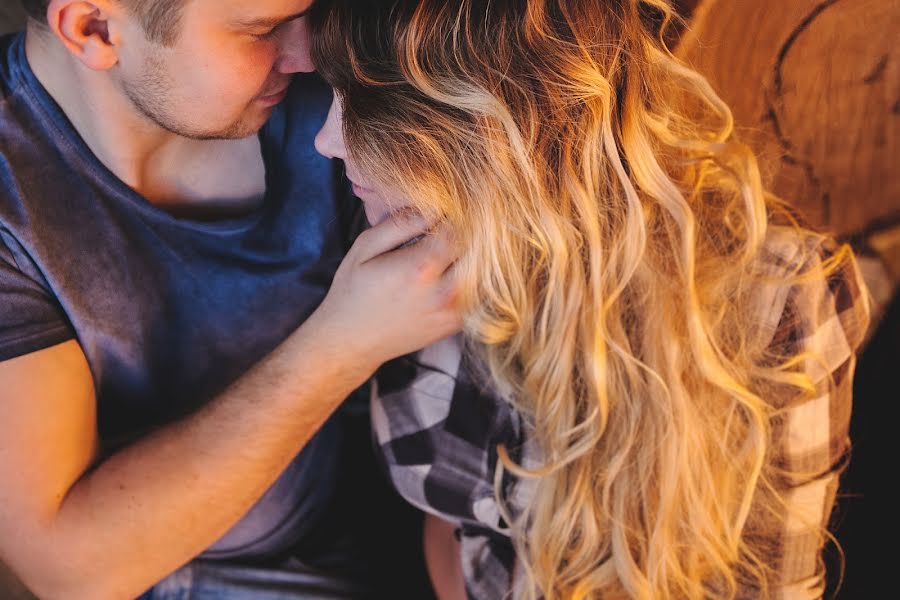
x,y
269,21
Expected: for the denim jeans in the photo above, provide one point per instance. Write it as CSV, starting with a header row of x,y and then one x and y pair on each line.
x,y
214,580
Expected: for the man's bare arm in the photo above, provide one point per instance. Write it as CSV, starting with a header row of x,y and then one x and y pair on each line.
x,y
72,528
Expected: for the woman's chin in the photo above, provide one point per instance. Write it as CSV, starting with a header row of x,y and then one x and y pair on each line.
x,y
376,215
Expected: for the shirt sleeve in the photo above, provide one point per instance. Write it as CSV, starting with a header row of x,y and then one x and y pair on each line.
x,y
823,322
30,317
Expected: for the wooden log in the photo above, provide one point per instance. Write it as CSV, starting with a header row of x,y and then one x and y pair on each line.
x,y
815,88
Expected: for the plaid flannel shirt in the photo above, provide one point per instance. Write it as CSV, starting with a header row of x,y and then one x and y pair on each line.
x,y
437,431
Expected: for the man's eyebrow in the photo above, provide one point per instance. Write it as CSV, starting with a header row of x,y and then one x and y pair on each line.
x,y
269,21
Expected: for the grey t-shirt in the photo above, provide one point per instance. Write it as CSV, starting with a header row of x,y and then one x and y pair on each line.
x,y
168,311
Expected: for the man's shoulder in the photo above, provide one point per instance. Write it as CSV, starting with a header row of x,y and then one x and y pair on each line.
x,y
8,58
19,138
29,139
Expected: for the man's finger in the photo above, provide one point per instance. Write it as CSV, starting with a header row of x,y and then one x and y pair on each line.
x,y
438,248
390,234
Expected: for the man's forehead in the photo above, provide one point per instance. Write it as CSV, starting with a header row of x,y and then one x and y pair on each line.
x,y
258,12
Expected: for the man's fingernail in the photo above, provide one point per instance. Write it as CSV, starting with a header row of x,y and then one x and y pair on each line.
x,y
413,241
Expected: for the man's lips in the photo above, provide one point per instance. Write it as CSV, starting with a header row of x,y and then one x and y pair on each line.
x,y
276,97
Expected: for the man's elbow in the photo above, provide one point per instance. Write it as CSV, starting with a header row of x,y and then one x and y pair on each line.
x,y
66,578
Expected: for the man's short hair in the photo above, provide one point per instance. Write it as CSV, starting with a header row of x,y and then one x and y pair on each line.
x,y
161,18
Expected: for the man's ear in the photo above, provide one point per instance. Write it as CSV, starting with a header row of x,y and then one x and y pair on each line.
x,y
83,26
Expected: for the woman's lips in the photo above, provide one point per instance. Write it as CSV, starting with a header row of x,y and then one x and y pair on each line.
x,y
361,191
374,206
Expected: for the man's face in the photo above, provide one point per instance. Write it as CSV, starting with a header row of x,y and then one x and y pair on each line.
x,y
229,66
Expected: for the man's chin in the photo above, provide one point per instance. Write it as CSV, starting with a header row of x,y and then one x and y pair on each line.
x,y
247,127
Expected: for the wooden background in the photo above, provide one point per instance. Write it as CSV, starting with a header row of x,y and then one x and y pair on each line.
x,y
815,88
11,15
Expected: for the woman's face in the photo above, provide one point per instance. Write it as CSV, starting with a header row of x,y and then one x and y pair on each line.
x,y
378,203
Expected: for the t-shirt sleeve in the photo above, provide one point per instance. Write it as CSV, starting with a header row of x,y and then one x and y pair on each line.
x,y
30,318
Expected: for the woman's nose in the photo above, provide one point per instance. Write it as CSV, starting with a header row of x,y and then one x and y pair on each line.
x,y
330,139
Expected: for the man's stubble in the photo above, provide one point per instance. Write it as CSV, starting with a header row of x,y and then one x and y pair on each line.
x,y
151,95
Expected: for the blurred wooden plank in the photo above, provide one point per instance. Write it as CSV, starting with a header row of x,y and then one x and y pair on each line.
x,y
12,16
815,88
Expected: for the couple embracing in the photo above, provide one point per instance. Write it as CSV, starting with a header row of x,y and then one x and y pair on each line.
x,y
603,361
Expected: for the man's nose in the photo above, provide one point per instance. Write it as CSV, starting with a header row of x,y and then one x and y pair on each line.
x,y
294,52
330,139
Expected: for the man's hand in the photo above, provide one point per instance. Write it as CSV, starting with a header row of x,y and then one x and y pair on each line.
x,y
389,298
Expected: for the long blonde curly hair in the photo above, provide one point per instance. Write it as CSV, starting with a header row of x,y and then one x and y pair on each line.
x,y
613,230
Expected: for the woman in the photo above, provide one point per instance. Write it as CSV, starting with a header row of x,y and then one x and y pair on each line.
x,y
654,389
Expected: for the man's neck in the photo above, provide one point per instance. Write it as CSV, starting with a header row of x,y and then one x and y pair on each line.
x,y
164,167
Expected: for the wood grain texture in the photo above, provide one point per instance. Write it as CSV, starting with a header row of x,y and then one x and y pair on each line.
x,y
815,88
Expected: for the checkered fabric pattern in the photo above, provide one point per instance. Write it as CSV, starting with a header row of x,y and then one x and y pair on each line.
x,y
438,429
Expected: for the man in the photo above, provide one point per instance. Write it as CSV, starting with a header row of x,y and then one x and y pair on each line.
x,y
167,237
